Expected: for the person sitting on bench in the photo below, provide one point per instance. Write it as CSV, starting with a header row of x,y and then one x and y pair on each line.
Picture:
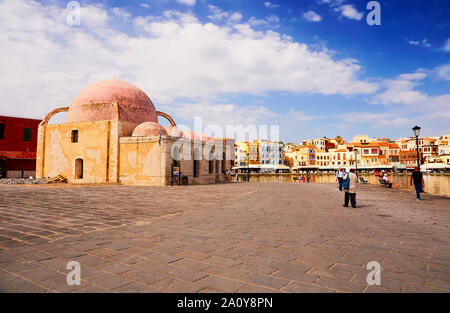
x,y
385,182
363,181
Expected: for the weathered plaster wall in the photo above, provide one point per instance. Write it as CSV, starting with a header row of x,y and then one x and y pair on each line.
x,y
142,161
57,153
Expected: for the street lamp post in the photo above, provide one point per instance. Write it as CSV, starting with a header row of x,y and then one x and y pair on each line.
x,y
416,131
356,161
248,167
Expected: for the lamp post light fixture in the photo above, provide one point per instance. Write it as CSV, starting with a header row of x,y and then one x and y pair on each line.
x,y
416,131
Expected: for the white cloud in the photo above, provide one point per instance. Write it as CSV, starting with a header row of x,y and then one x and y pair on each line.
x,y
145,5
432,113
312,16
271,21
270,5
94,16
443,72
235,17
302,116
424,43
408,107
172,56
401,90
446,47
346,10
187,2
121,13
222,114
350,12
217,14
375,120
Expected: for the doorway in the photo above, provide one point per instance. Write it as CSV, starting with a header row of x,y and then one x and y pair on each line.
x,y
79,169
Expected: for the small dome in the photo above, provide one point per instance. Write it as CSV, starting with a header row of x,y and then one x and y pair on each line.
x,y
149,129
173,131
194,136
95,103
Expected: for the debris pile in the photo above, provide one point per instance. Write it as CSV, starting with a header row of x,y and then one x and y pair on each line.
x,y
33,181
21,181
57,179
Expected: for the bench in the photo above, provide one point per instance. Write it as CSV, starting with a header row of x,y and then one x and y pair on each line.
x,y
363,181
384,184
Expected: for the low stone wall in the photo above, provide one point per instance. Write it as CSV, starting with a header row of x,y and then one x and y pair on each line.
x,y
435,183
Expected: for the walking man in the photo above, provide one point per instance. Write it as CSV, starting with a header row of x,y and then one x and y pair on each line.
x,y
340,178
417,179
349,185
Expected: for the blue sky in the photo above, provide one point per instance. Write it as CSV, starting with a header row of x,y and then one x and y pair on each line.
x,y
315,67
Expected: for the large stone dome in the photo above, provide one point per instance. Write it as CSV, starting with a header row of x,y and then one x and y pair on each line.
x,y
97,102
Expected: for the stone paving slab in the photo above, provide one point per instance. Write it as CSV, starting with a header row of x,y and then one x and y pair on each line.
x,y
246,237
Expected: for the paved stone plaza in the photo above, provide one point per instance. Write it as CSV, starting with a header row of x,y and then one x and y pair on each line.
x,y
247,237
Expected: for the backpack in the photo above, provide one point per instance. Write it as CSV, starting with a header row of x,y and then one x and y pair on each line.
x,y
346,183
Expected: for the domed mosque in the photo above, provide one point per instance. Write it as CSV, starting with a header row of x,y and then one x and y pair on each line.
x,y
112,135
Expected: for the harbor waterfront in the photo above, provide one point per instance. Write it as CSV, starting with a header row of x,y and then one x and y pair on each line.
x,y
435,183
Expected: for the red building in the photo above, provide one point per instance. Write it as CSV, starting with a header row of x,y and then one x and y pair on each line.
x,y
18,141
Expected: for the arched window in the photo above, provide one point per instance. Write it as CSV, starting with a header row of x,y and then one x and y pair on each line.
x,y
79,168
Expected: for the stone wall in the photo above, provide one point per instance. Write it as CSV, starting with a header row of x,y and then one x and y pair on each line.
x,y
438,183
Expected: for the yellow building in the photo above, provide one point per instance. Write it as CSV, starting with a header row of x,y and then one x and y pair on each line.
x,y
368,154
323,158
302,156
254,152
341,158
112,135
363,139
241,153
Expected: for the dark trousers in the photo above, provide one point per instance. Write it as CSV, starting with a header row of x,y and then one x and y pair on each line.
x,y
340,180
418,190
351,197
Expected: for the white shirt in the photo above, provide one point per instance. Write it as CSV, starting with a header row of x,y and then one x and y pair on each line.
x,y
353,182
